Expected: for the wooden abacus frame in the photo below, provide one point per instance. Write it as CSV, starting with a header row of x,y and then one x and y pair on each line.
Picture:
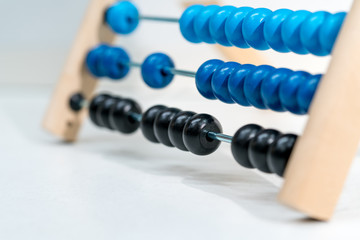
x,y
322,156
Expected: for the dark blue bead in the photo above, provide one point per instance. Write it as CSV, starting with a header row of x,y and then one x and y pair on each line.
x,y
187,23
270,89
252,86
123,17
155,70
217,24
219,82
236,84
106,61
288,91
204,76
115,60
307,91
92,61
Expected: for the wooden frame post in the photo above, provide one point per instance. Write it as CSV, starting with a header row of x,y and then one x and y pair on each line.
x,y
322,157
60,120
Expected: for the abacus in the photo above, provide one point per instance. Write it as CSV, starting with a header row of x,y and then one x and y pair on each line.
x,y
314,165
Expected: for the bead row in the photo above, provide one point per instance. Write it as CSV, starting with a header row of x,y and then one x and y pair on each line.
x,y
252,146
283,30
301,32
263,87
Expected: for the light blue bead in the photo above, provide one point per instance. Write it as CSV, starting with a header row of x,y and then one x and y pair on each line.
x,y
307,91
219,82
236,84
187,23
202,23
291,31
330,30
217,24
253,28
270,88
252,86
272,29
123,17
204,76
92,61
310,32
155,70
233,27
289,89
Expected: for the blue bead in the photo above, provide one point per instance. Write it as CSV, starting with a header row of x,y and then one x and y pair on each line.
x,y
252,86
310,33
116,60
288,91
93,58
330,29
270,89
233,27
291,30
217,25
272,29
236,84
204,76
187,23
219,82
307,91
253,28
202,23
123,17
155,70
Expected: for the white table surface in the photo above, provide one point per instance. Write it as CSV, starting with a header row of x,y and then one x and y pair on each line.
x,y
109,186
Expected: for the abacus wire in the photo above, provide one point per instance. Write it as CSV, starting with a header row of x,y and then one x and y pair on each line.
x,y
159,19
173,71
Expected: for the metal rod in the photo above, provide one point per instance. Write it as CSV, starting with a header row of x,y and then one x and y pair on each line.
x,y
133,64
161,19
182,72
136,116
169,70
219,136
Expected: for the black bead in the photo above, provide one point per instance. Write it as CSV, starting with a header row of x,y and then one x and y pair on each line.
x,y
195,134
94,106
120,116
76,101
161,125
147,123
104,111
240,144
259,147
279,153
176,129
